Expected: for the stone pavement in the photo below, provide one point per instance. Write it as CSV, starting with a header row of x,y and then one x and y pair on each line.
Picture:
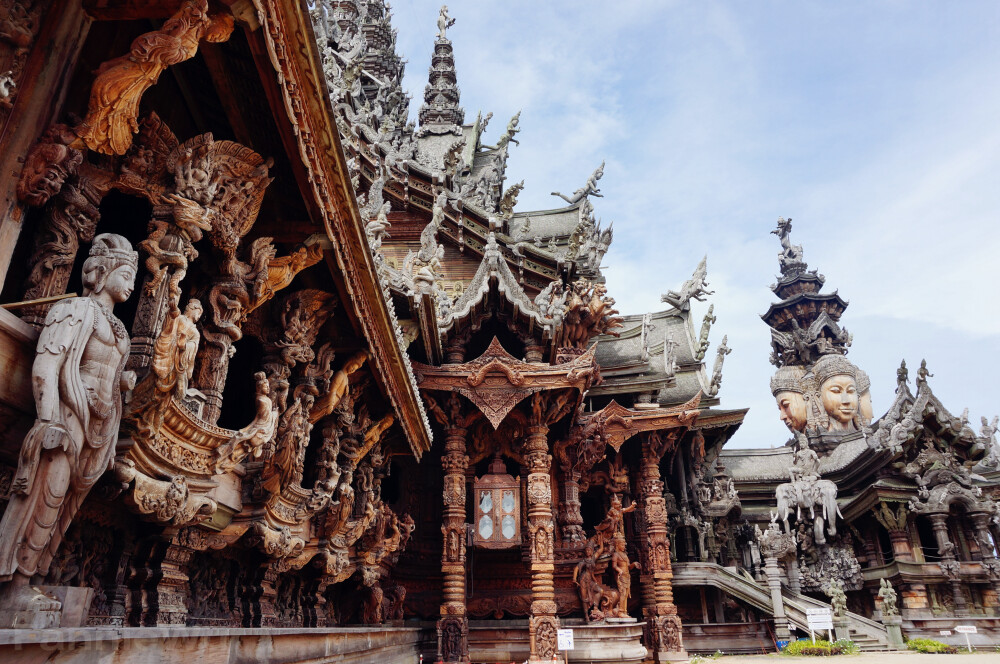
x,y
869,658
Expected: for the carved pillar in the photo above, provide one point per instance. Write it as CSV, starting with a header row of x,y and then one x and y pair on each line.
x,y
227,303
794,580
167,601
453,627
543,624
572,519
70,220
268,615
902,547
154,296
949,565
533,352
662,634
981,522
774,583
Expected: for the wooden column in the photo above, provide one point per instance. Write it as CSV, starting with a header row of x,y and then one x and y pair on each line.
x,y
543,624
453,627
902,546
41,92
949,565
662,634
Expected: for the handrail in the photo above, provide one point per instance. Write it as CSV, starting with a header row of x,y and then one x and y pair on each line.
x,y
759,596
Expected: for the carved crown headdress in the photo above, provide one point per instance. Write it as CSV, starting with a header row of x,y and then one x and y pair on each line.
x,y
115,247
788,379
832,365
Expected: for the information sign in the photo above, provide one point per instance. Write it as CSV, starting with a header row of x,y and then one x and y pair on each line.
x,y
564,639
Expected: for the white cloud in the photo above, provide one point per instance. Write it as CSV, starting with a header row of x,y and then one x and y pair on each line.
x,y
874,127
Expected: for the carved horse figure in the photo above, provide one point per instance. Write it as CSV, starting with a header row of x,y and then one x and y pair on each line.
x,y
810,494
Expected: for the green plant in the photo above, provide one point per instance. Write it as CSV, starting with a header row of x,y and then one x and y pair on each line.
x,y
930,646
807,647
844,647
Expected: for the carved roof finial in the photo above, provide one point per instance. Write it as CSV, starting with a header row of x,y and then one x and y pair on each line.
x,y
790,257
440,112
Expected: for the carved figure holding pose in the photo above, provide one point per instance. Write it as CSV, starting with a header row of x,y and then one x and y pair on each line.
x,y
77,379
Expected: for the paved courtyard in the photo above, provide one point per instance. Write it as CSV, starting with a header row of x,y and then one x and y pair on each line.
x,y
873,657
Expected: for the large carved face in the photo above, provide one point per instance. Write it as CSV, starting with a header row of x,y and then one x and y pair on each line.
x,y
119,283
792,410
840,399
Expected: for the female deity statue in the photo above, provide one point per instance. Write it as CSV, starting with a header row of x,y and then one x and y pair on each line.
x,y
844,393
788,388
77,378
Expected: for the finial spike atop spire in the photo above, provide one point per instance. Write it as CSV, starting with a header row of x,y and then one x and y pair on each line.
x,y
440,112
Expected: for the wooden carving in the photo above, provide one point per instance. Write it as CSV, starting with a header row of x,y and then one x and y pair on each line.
x,y
175,350
47,167
166,501
78,377
114,98
618,423
496,381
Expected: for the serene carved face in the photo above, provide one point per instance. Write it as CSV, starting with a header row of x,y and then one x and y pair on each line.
x,y
120,283
840,399
792,409
194,310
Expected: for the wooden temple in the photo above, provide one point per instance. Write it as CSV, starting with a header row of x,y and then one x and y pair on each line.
x,y
288,379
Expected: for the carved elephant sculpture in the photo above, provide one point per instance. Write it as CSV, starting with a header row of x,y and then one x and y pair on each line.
x,y
810,494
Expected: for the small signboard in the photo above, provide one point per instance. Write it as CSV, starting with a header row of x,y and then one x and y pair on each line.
x,y
819,619
945,632
564,639
966,629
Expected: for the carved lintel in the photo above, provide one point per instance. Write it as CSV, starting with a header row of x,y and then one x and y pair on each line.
x,y
496,381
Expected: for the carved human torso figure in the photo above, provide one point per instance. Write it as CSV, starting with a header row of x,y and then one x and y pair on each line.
x,y
77,380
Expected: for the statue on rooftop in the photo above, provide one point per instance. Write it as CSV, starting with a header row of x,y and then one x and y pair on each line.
x,y
512,130
720,358
588,189
444,22
694,288
78,377
790,257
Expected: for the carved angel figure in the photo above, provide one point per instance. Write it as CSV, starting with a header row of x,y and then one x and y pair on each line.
x,y
588,189
250,440
339,386
887,594
77,379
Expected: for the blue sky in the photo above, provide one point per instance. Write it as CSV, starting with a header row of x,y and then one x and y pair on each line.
x,y
874,125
